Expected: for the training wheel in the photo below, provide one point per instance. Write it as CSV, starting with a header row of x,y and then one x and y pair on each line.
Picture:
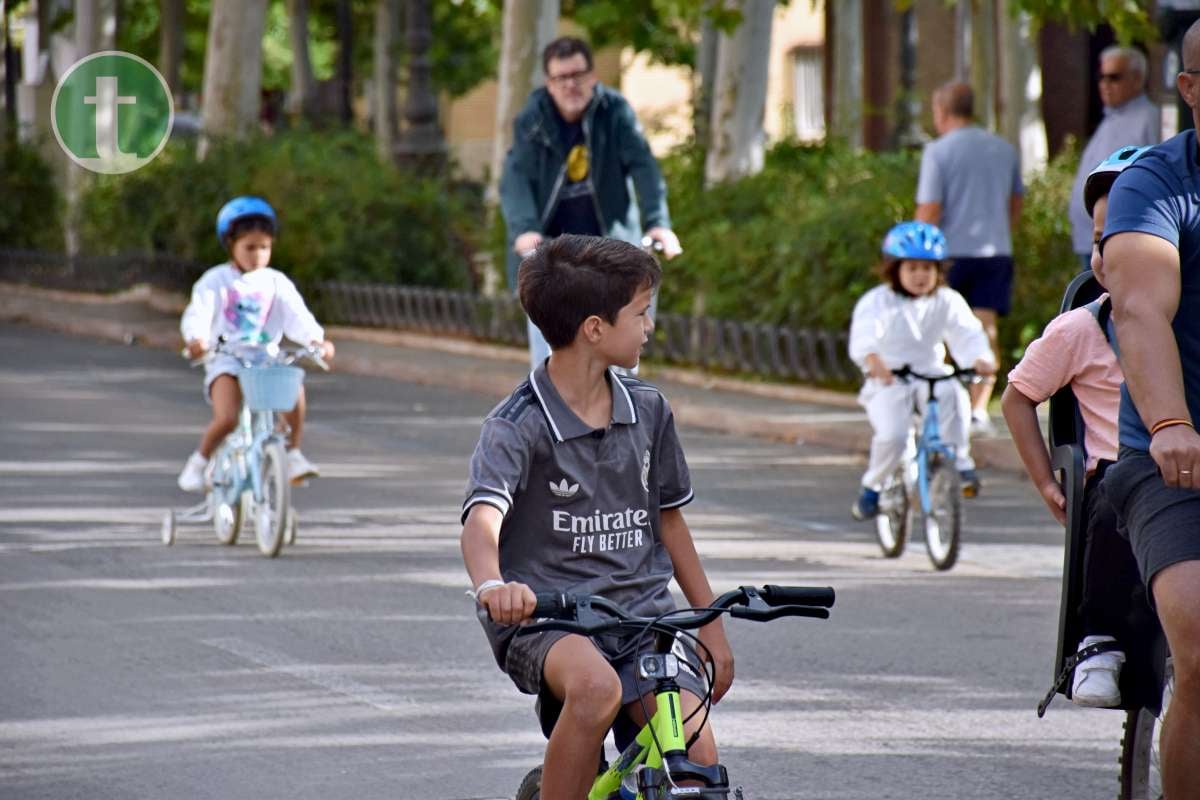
x,y
293,524
168,528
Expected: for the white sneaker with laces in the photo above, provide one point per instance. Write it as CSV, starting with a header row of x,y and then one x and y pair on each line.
x,y
981,424
192,477
300,468
1097,679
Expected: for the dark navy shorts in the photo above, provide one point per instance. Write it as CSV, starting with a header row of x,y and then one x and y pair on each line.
x,y
526,657
1162,523
985,282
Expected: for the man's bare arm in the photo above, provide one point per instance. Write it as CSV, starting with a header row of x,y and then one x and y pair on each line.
x,y
929,212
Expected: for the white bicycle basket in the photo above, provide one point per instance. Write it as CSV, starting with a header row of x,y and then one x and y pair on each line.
x,y
271,388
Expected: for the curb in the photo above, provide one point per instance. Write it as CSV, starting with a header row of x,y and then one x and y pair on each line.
x,y
847,432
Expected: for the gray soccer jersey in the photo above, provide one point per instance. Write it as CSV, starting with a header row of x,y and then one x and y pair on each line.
x,y
581,505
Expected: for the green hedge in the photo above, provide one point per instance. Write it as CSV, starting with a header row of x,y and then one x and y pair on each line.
x,y
343,214
798,243
31,212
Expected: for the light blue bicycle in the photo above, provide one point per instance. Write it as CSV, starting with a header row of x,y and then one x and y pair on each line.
x,y
248,472
925,491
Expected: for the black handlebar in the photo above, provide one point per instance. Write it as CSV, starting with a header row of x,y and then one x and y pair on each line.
x,y
591,615
907,372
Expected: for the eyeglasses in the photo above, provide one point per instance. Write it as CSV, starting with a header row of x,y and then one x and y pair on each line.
x,y
1111,77
576,77
1190,71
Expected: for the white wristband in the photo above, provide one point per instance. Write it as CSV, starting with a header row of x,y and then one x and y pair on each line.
x,y
491,583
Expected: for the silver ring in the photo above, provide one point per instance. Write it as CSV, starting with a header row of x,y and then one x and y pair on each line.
x,y
1185,472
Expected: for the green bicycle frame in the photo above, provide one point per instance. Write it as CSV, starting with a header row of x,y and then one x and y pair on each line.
x,y
666,726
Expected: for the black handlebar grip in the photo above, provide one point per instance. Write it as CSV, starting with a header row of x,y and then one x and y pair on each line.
x,y
799,595
550,604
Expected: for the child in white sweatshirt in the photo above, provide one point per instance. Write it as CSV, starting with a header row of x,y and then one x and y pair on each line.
x,y
909,320
245,301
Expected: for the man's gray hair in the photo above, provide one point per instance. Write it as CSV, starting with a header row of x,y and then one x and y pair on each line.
x,y
1135,58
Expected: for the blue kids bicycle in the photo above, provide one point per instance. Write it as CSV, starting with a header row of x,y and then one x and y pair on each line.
x,y
248,472
925,491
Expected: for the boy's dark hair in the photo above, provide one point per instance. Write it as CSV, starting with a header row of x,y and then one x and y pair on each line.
x,y
565,47
570,278
251,224
889,270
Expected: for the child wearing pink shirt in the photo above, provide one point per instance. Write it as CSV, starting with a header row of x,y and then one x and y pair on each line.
x,y
1074,350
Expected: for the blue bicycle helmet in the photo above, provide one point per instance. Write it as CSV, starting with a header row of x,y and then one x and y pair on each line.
x,y
1101,179
240,208
917,240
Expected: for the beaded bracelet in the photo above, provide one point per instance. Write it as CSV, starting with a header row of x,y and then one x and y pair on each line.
x,y
1170,423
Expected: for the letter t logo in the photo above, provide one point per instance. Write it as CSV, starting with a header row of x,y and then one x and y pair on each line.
x,y
107,101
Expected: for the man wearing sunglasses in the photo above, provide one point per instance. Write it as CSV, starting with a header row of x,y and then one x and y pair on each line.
x,y
577,148
1129,119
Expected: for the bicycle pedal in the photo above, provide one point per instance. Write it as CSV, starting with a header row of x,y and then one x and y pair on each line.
x,y
970,491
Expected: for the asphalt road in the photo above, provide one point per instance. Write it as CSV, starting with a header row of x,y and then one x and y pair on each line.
x,y
351,666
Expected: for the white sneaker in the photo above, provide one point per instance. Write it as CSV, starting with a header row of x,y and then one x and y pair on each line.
x,y
300,468
1097,679
981,424
192,477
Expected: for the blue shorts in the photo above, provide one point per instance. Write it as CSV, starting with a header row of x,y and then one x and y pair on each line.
x,y
984,282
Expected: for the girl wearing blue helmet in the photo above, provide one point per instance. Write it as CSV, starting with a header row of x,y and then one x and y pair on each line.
x,y
244,300
910,320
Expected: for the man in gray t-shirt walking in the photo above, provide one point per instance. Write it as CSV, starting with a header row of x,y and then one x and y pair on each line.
x,y
970,187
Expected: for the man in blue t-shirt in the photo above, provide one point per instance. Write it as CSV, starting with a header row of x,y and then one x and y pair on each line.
x,y
1151,250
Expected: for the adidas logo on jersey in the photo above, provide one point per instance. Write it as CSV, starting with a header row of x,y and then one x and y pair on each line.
x,y
562,489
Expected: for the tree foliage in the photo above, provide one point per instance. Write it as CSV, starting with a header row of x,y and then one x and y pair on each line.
x,y
666,29
1130,19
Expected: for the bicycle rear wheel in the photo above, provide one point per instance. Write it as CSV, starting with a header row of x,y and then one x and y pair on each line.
x,y
226,494
943,522
271,515
1140,777
891,523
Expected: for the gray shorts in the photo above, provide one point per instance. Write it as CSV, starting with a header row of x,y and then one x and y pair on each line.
x,y
222,364
526,658
1161,522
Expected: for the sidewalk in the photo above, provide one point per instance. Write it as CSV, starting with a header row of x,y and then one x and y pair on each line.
x,y
782,412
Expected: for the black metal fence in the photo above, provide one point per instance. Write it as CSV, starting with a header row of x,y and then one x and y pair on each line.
x,y
803,354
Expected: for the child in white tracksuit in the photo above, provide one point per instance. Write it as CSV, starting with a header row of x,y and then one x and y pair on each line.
x,y
910,319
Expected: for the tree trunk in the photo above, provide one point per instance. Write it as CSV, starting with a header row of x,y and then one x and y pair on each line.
x,y
233,69
170,41
345,70
740,96
529,25
421,146
703,77
984,75
302,95
847,72
387,28
1020,91
95,26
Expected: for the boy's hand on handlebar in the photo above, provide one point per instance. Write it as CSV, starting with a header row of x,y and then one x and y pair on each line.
x,y
526,243
195,348
984,367
327,349
508,604
713,637
670,242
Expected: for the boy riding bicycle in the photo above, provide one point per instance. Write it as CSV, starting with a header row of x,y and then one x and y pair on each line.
x,y
576,486
908,321
245,301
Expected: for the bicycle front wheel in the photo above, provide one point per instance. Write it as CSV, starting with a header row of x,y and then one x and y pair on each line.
x,y
271,513
531,787
226,496
943,520
891,523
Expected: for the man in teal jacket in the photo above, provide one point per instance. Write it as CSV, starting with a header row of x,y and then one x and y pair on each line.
x,y
577,148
